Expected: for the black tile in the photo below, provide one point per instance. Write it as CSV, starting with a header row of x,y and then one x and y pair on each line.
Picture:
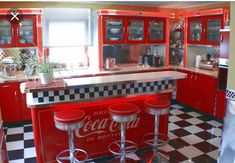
x,y
66,92
101,93
35,94
163,82
205,135
45,94
183,123
96,89
82,95
28,129
159,87
206,118
110,93
15,137
29,143
144,89
184,116
204,126
178,143
16,154
123,86
156,83
76,90
72,97
204,159
176,157
140,84
128,91
119,91
166,86
114,87
151,88
180,132
56,93
51,99
148,83
40,99
5,131
105,88
92,94
30,160
205,147
136,90
87,90
62,98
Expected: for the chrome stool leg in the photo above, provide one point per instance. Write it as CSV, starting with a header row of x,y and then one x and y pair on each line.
x,y
123,140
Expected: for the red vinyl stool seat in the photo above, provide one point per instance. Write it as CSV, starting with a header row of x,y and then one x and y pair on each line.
x,y
70,120
122,113
156,106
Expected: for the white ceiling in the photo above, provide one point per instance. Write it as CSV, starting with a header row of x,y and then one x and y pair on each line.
x,y
166,4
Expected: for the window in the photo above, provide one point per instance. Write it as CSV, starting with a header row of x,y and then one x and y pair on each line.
x,y
66,27
67,36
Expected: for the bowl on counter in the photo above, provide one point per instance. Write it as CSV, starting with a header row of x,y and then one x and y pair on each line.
x,y
114,30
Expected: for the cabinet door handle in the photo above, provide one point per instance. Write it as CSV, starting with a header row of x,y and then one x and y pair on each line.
x,y
17,31
12,32
195,77
6,86
191,76
16,96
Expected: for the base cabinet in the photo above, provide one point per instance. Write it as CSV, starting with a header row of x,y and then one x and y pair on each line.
x,y
13,103
197,91
220,104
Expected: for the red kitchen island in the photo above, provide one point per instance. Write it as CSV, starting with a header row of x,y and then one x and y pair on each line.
x,y
94,94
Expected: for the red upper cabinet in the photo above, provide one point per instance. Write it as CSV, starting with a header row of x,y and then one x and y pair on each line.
x,y
195,30
6,32
18,33
212,26
133,30
26,31
114,30
205,30
156,30
136,30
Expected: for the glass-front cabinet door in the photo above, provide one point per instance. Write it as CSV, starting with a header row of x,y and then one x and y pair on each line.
x,y
156,30
213,25
136,30
6,32
114,27
195,30
26,31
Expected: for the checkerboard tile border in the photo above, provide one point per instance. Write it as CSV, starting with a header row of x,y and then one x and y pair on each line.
x,y
230,94
99,91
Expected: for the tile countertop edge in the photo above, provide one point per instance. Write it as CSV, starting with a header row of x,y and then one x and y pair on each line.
x,y
29,87
20,77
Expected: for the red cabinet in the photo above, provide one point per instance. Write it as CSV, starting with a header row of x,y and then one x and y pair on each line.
x,y
120,30
220,104
26,112
205,29
197,91
18,33
13,103
10,102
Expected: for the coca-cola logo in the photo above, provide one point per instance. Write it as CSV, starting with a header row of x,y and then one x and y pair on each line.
x,y
103,125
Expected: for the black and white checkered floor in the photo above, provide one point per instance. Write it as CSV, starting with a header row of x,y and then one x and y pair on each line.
x,y
194,137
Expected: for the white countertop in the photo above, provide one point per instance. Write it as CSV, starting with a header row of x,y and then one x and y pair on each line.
x,y
146,76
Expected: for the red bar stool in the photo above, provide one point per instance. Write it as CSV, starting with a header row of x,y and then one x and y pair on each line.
x,y
70,120
156,106
122,113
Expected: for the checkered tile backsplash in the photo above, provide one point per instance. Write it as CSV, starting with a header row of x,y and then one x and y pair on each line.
x,y
99,91
230,94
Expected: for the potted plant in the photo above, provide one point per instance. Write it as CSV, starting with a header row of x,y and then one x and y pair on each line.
x,y
45,72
